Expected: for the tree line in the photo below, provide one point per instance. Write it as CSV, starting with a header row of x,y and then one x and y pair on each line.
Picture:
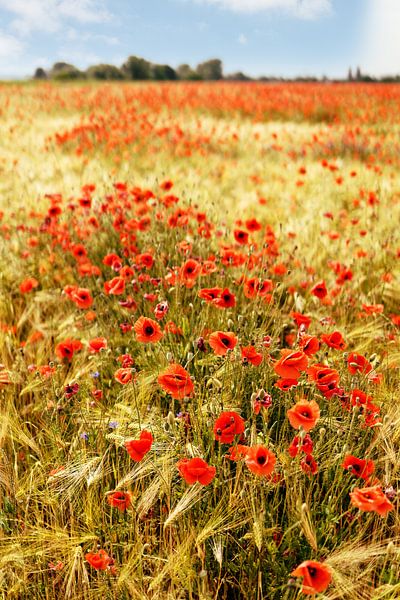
x,y
136,69
140,69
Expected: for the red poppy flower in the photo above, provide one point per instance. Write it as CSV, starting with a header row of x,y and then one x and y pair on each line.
x,y
358,466
316,576
300,319
319,290
237,452
67,348
115,286
255,287
97,344
189,272
225,299
334,340
326,379
175,380
299,444
147,331
357,363
371,499
161,310
28,284
99,560
260,460
309,345
241,236
286,384
361,399
304,414
120,500
82,297
145,260
228,425
291,364
196,469
250,355
222,341
123,375
209,294
309,465
261,400
253,225
138,448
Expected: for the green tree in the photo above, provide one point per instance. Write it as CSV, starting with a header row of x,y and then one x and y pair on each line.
x,y
210,70
104,72
62,71
40,74
186,73
136,68
163,73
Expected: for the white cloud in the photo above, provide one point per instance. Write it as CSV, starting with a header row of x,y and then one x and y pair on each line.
x,y
303,9
380,52
49,15
242,39
10,46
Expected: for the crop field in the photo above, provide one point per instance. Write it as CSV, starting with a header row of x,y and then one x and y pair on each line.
x,y
199,341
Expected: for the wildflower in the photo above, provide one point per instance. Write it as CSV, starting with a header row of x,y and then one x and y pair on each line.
x,y
309,345
115,286
250,355
161,310
237,452
99,560
304,414
319,290
334,340
138,448
291,364
70,390
316,576
357,363
309,465
299,444
300,319
326,379
67,348
82,297
123,375
228,425
260,460
28,284
126,360
221,342
261,400
175,380
286,384
371,499
225,300
97,344
241,236
196,469
147,331
120,500
358,466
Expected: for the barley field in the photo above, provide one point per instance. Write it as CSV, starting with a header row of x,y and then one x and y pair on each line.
x,y
199,341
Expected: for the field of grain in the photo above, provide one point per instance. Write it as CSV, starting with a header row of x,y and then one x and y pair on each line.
x,y
199,341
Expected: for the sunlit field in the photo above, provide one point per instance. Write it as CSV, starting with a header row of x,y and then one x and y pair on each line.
x,y
199,341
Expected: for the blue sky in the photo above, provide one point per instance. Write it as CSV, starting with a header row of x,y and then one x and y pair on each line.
x,y
270,37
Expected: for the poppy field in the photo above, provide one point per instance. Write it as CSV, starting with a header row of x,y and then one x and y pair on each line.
x,y
199,341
